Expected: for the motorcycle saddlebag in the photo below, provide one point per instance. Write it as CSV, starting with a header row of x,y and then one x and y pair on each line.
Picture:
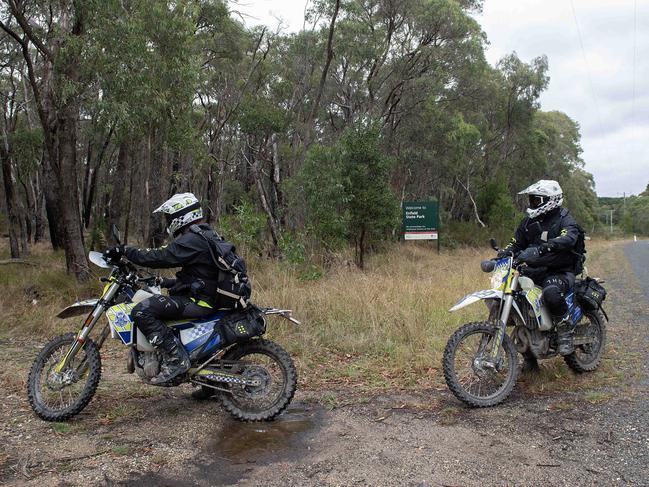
x,y
242,325
590,294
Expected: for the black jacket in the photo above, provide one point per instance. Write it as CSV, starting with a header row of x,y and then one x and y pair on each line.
x,y
188,251
559,230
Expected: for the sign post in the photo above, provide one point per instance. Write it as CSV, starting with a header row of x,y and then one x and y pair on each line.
x,y
421,220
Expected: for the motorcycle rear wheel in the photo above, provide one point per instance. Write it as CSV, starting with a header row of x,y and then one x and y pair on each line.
x,y
464,379
273,366
587,358
59,396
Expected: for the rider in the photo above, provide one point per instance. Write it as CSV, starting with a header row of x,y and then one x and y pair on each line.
x,y
545,240
191,295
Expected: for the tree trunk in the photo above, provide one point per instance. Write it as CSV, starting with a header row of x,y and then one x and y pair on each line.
x,y
360,249
263,197
12,206
156,234
127,222
39,203
92,184
276,180
75,253
120,180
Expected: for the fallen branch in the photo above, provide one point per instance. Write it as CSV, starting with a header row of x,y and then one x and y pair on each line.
x,y
17,261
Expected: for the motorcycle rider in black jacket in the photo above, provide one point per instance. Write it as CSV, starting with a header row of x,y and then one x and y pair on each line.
x,y
191,295
545,240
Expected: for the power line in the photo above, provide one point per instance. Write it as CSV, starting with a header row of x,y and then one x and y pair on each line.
x,y
635,48
590,78
583,53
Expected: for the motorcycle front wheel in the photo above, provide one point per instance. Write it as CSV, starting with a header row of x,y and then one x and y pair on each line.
x,y
58,396
470,373
269,363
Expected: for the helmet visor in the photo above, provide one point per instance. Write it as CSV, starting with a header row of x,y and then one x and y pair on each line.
x,y
536,201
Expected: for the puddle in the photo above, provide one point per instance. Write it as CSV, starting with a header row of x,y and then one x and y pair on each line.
x,y
240,442
235,448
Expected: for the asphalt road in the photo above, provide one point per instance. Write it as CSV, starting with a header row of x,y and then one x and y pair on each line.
x,y
638,255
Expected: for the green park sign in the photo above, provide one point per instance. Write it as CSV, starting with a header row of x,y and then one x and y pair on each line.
x,y
420,220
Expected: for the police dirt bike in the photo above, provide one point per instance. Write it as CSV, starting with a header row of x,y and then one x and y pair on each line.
x,y
480,359
254,378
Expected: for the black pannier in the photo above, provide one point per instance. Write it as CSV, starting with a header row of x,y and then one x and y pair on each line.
x,y
242,325
590,294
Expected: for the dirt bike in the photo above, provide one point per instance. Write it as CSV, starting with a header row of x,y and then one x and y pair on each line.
x,y
480,359
254,378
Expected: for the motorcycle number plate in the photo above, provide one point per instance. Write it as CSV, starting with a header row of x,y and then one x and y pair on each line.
x,y
119,317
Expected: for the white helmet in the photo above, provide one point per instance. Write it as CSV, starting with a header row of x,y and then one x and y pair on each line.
x,y
544,196
180,210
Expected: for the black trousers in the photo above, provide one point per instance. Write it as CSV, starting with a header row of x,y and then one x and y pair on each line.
x,y
555,287
150,313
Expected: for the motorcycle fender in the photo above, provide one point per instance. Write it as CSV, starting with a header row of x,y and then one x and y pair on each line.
x,y
475,297
78,308
485,295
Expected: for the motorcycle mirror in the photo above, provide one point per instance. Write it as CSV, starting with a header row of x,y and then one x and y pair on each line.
x,y
494,244
116,235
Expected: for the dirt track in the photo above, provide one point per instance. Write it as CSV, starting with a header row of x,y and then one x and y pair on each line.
x,y
423,439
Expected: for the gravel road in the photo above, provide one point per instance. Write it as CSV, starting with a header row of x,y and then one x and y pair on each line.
x,y
586,436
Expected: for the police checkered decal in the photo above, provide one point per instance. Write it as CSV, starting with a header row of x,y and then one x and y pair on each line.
x,y
199,330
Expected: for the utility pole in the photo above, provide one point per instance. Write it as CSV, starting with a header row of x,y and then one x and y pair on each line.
x,y
611,220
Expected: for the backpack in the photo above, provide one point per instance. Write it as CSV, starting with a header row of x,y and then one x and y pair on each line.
x,y
233,282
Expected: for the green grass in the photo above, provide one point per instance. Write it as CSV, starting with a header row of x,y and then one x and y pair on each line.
x,y
61,428
121,450
596,397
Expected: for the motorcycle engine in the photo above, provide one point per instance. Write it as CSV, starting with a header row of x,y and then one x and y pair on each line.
x,y
535,341
147,365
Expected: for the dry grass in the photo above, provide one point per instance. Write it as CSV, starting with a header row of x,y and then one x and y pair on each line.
x,y
382,327
378,327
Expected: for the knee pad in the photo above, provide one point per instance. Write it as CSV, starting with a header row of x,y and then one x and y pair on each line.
x,y
555,300
140,313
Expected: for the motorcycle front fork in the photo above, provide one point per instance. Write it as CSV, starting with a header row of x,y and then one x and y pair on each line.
x,y
506,309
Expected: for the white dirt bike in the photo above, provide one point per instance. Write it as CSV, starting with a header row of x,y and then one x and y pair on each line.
x,y
480,359
254,378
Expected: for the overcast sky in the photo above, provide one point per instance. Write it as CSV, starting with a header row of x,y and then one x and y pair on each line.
x,y
594,85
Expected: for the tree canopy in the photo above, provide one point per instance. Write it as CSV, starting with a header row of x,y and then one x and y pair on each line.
x,y
109,107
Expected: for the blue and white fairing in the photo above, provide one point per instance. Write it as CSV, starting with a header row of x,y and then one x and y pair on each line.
x,y
195,333
192,333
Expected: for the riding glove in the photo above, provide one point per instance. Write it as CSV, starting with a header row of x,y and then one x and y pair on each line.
x,y
114,253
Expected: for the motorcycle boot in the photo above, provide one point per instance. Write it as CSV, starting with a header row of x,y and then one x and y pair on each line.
x,y
175,360
565,335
